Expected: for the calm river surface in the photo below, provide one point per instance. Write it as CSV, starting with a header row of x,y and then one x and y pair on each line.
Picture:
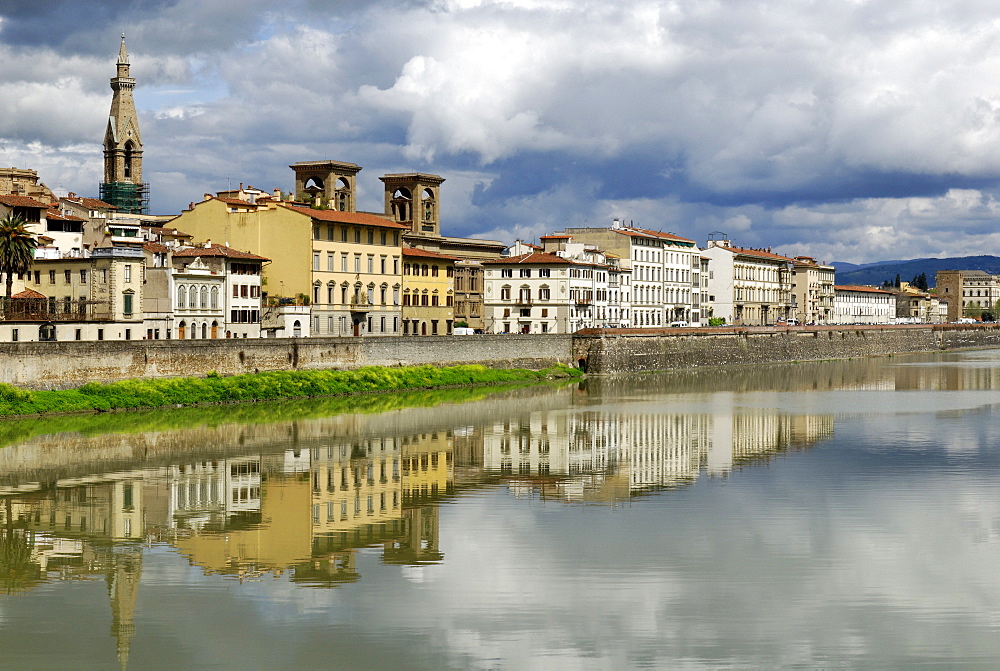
x,y
832,514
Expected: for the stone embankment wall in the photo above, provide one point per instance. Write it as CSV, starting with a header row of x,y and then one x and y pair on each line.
x,y
56,365
608,351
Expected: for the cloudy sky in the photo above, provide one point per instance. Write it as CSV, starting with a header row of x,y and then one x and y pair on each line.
x,y
851,130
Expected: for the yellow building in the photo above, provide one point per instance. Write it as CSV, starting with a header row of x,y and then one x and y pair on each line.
x,y
428,292
346,265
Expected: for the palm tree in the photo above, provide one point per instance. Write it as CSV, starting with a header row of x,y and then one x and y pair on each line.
x,y
17,248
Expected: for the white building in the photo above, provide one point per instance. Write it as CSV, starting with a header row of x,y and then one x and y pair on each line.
x,y
863,305
748,287
553,292
665,271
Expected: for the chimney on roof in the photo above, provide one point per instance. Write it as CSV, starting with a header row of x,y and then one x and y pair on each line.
x,y
616,224
208,244
277,194
191,206
208,196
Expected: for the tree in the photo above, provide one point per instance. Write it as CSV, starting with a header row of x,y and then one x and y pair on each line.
x,y
17,249
920,281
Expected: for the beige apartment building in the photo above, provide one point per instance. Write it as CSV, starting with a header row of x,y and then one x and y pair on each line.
x,y
813,291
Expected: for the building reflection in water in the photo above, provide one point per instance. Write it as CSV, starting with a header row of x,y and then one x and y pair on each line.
x,y
609,456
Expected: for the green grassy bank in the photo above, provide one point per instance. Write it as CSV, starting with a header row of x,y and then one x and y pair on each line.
x,y
133,394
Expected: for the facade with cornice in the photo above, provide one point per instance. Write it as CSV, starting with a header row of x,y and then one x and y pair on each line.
x,y
428,292
554,292
854,304
813,291
665,277
749,287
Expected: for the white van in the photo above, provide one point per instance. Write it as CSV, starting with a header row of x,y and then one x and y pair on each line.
x,y
681,324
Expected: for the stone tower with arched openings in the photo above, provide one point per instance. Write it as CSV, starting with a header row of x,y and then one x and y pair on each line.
x,y
123,186
332,183
414,199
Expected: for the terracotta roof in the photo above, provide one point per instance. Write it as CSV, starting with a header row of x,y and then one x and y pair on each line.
x,y
533,257
28,293
91,203
217,250
55,214
173,232
413,251
543,258
666,236
22,201
644,233
858,287
551,237
236,201
759,253
360,218
155,247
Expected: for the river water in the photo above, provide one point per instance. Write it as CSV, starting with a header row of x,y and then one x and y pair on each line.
x,y
789,516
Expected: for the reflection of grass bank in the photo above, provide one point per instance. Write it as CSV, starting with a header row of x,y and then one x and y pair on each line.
x,y
134,394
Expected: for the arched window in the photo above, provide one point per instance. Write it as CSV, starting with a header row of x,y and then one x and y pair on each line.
x,y
181,297
215,299
203,303
296,329
129,148
204,331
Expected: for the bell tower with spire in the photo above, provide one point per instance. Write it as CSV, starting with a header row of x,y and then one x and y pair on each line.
x,y
123,186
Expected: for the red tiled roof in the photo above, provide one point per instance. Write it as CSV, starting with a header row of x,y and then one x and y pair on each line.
x,y
360,218
543,258
218,250
22,201
172,232
858,287
414,251
532,257
236,202
666,236
551,237
59,216
91,203
759,253
155,247
28,293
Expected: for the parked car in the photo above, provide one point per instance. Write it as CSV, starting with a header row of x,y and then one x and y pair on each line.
x,y
680,324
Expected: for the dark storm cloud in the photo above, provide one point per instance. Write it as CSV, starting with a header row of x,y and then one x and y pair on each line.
x,y
832,128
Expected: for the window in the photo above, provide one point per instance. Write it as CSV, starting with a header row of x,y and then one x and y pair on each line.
x,y
329,261
329,232
67,274
357,260
343,262
371,236
506,272
83,277
371,263
215,298
127,303
128,273
525,272
52,277
315,260
182,296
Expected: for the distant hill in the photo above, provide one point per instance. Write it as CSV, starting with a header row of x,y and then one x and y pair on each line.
x,y
877,273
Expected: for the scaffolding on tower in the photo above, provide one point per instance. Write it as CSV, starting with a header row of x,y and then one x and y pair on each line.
x,y
128,197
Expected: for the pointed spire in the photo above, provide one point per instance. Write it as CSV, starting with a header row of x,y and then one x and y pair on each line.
x,y
122,53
